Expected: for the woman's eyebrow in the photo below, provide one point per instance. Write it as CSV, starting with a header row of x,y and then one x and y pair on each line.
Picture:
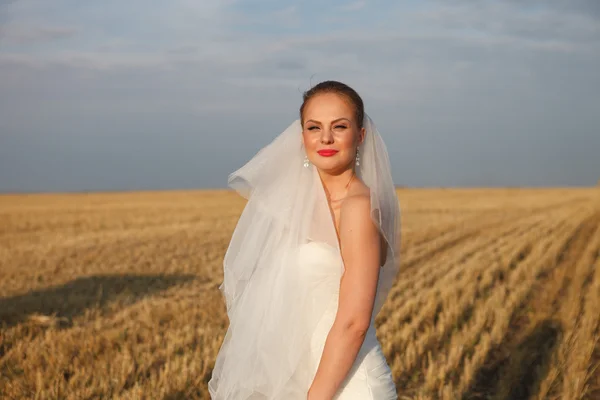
x,y
333,122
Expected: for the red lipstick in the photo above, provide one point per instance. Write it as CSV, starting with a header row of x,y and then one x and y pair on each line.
x,y
327,152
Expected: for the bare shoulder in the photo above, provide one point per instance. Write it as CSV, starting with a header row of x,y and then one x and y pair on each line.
x,y
359,236
355,210
359,188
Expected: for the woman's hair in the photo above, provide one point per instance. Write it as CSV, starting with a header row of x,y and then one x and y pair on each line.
x,y
340,89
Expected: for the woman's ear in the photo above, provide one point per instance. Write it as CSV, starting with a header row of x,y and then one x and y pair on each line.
x,y
361,138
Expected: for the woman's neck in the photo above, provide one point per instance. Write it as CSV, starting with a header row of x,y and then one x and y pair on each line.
x,y
336,186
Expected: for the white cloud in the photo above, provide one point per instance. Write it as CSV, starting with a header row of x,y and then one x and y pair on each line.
x,y
354,6
93,61
18,34
496,18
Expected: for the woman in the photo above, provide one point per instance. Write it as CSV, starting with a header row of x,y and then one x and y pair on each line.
x,y
311,261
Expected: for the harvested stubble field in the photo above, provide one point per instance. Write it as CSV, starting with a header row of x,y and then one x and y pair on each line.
x,y
115,296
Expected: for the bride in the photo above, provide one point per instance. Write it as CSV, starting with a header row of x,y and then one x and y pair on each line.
x,y
311,261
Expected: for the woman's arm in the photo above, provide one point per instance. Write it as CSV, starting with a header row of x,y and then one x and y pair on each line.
x,y
361,250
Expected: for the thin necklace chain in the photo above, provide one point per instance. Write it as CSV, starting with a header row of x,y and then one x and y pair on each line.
x,y
345,187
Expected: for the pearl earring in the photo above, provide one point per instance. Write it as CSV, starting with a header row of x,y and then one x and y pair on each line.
x,y
306,162
357,158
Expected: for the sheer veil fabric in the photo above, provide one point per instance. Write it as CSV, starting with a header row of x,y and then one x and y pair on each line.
x,y
264,354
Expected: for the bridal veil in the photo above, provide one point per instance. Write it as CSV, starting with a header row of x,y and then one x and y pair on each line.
x,y
264,352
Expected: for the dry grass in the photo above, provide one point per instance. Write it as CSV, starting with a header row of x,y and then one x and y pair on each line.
x,y
115,295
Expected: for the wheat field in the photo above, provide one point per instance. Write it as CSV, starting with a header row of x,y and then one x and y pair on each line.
x,y
115,295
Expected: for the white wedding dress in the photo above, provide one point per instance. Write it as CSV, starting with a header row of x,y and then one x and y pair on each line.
x,y
370,378
282,271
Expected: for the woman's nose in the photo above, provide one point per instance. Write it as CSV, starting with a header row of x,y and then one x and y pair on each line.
x,y
326,136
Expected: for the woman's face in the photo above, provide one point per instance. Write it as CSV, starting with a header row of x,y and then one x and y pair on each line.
x,y
331,134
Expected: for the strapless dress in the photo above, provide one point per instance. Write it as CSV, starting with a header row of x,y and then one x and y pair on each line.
x,y
321,266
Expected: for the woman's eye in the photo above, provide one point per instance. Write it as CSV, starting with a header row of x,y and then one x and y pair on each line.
x,y
340,126
312,128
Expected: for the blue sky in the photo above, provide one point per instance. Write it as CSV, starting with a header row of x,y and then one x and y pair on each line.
x,y
132,94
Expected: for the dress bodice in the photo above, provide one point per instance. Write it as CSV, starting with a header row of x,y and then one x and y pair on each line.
x,y
320,260
320,268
